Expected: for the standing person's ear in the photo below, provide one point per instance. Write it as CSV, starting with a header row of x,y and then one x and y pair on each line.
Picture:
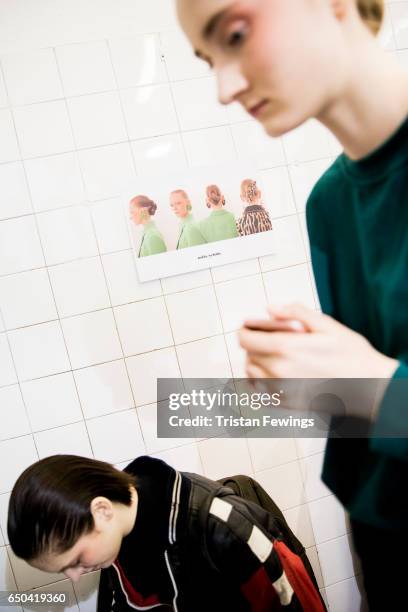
x,y
339,8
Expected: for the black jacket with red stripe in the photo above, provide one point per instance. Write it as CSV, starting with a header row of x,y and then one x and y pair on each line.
x,y
196,547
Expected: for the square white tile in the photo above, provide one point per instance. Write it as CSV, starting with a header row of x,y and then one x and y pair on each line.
x,y
398,13
271,452
4,503
7,582
225,457
336,560
106,170
8,374
149,111
85,68
309,141
183,282
9,150
185,458
3,93
237,113
92,338
79,287
180,61
65,586
39,350
254,144
241,299
236,354
197,106
317,570
344,595
123,282
290,285
144,370
43,129
31,76
26,299
311,468
143,326
325,529
284,484
67,234
97,119
288,243
104,389
137,61
298,519
277,191
148,422
16,424
304,177
209,146
15,199
310,446
159,154
206,358
126,444
17,454
110,225
52,401
250,267
54,181
86,591
67,440
26,576
194,314
20,247
305,236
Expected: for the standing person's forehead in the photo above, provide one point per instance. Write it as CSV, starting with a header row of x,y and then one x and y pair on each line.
x,y
198,17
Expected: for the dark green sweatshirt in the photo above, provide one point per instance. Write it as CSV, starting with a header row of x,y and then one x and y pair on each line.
x,y
357,218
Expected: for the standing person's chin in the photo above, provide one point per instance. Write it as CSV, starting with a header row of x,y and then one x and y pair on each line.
x,y
277,123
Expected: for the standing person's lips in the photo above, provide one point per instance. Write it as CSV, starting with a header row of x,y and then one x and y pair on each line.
x,y
257,108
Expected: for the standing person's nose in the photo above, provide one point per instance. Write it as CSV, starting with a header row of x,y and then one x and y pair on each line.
x,y
230,83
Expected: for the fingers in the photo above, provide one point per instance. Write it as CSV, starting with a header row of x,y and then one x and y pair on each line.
x,y
311,319
254,371
267,343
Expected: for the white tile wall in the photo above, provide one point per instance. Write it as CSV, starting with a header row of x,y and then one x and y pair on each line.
x,y
85,104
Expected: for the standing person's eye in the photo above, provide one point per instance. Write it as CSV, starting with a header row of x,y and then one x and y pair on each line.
x,y
236,33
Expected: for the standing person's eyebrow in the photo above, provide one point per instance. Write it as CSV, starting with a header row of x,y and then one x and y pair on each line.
x,y
212,24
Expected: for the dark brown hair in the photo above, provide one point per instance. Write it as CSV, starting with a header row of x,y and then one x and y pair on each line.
x,y
49,507
142,201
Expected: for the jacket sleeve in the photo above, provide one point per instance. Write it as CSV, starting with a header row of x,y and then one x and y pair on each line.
x,y
270,577
390,431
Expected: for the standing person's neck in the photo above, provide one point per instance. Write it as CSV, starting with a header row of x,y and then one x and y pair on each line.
x,y
373,106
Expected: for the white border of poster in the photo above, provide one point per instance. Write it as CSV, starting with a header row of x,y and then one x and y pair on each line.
x,y
158,187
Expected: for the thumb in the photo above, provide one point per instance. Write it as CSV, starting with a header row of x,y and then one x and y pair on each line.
x,y
311,319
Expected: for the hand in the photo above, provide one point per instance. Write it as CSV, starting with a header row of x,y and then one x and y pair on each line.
x,y
327,349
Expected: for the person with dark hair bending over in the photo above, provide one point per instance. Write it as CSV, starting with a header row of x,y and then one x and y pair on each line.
x,y
220,223
255,217
163,539
142,210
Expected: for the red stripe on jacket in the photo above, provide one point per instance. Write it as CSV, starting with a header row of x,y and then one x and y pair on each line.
x,y
298,578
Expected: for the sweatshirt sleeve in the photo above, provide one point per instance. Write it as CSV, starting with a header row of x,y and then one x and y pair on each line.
x,y
269,576
390,430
